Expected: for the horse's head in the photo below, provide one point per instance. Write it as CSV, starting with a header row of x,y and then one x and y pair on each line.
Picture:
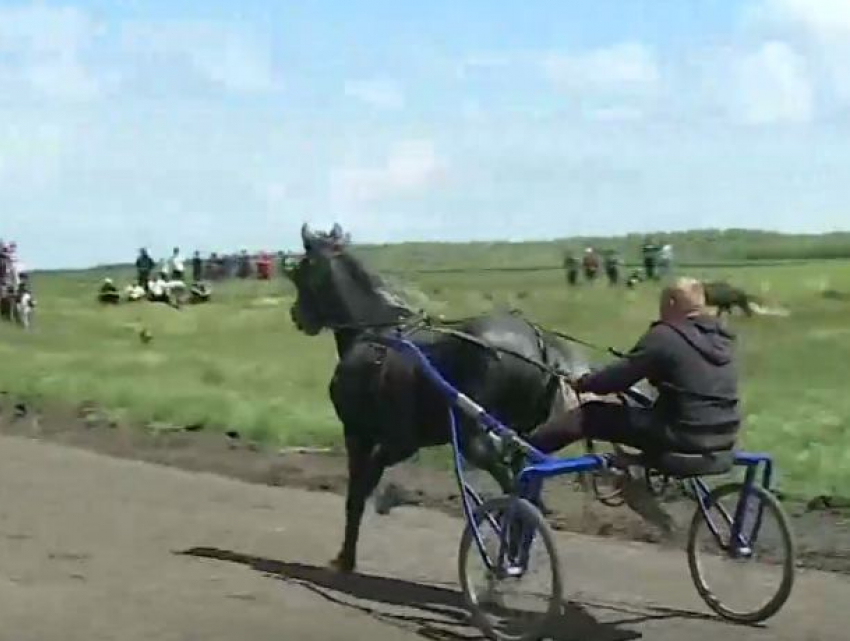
x,y
334,290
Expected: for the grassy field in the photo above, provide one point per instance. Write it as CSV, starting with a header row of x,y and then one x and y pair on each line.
x,y
238,363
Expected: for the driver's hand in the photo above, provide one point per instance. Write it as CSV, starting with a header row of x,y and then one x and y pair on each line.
x,y
571,379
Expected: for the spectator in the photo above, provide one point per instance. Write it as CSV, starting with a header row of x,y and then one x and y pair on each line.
x,y
175,265
264,266
591,264
158,289
134,292
665,260
650,258
108,293
199,293
571,266
4,264
144,267
244,264
197,267
24,302
612,267
14,266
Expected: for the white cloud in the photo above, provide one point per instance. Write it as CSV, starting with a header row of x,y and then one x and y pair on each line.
x,y
771,85
820,17
377,92
616,114
43,50
483,61
40,30
411,166
220,53
628,65
820,28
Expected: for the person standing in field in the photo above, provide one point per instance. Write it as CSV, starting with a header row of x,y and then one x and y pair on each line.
x,y
571,267
650,258
176,267
612,267
4,264
13,265
264,266
244,270
591,264
197,267
665,260
144,267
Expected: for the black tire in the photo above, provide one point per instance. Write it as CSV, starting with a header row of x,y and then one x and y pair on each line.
x,y
770,506
530,515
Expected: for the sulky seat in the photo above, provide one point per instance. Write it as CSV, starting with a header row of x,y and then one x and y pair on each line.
x,y
681,465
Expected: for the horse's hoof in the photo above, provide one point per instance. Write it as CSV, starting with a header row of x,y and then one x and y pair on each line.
x,y
341,565
389,498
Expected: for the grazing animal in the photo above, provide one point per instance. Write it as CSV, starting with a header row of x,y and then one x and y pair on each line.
x,y
387,407
724,297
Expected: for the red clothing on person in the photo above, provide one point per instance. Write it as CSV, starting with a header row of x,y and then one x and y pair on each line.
x,y
264,266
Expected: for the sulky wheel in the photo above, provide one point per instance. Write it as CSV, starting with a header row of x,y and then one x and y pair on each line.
x,y
748,582
529,570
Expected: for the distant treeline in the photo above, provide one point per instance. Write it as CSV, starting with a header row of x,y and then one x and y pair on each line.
x,y
699,247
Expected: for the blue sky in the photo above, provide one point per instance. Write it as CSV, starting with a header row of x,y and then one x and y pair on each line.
x,y
217,126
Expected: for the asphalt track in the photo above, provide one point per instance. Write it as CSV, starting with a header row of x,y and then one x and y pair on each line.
x,y
98,548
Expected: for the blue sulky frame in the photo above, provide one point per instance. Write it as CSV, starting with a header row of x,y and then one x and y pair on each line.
x,y
541,466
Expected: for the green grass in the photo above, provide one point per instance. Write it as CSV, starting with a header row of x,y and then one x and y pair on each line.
x,y
238,363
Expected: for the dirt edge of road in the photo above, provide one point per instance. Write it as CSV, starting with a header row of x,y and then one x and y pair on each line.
x,y
822,529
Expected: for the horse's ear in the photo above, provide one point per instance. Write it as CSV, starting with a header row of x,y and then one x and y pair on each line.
x,y
336,232
307,236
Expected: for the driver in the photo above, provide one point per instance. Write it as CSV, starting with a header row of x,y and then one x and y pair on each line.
x,y
688,356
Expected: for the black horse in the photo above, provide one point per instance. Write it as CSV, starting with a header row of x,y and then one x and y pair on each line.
x,y
724,296
388,409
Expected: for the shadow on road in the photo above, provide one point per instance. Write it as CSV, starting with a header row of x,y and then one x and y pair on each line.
x,y
440,613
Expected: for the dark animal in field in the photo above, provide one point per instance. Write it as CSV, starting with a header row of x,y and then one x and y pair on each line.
x,y
724,297
388,409
834,294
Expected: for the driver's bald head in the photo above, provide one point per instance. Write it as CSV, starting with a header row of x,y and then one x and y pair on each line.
x,y
683,298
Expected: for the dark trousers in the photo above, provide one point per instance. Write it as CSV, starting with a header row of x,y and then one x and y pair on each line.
x,y
144,277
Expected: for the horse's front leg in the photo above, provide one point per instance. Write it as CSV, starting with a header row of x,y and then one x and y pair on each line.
x,y
365,468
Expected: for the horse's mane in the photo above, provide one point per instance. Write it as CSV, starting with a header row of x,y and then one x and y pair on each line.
x,y
358,272
370,281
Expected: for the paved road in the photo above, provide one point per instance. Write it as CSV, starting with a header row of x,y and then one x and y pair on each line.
x,y
94,548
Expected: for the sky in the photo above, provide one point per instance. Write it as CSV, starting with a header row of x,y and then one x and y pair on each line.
x,y
219,125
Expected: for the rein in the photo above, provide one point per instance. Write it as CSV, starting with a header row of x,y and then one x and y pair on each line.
x,y
423,321
420,321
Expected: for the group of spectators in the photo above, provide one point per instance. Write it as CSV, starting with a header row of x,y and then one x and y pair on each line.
x,y
167,280
16,297
215,267
657,263
163,282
